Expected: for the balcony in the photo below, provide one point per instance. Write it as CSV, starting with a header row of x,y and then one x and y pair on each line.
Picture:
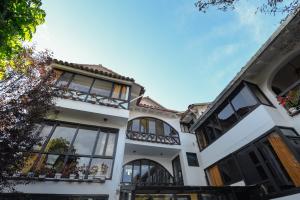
x,y
154,130
92,98
147,137
290,99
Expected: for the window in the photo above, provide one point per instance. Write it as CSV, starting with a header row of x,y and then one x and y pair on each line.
x,y
241,102
101,88
72,150
227,117
159,130
192,159
145,171
88,89
229,171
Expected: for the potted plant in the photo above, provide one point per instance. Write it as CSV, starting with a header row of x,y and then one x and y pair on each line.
x,y
93,171
291,101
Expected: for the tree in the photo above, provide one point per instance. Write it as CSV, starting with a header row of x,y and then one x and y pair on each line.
x,y
25,99
18,22
265,6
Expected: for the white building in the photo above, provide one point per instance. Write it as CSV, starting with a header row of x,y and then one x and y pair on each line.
x,y
108,142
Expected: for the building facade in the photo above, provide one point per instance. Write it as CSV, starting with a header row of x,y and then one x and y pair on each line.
x,y
107,141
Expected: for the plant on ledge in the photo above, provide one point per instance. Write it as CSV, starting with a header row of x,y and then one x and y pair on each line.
x,y
291,101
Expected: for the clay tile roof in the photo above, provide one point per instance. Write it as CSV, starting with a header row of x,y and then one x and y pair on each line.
x,y
97,69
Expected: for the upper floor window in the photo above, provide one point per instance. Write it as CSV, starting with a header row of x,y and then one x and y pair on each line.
x,y
192,159
72,151
93,90
286,85
152,130
241,102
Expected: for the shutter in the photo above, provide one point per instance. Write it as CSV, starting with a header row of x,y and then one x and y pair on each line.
x,y
288,160
215,178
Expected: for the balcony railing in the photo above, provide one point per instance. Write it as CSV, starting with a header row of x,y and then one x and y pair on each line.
x,y
148,137
92,98
290,99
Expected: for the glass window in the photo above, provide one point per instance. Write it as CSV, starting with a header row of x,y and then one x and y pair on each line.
x,y
192,159
102,88
167,130
116,91
61,139
261,97
136,171
143,124
229,171
289,132
124,93
64,79
135,125
50,164
159,127
227,117
30,159
44,133
81,83
110,147
101,167
151,126
144,170
127,173
84,142
77,166
101,144
243,102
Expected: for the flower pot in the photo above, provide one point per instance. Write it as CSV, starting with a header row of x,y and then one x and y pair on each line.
x,y
90,177
42,176
57,175
30,174
293,110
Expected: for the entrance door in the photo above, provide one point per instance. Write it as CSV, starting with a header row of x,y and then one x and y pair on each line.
x,y
177,171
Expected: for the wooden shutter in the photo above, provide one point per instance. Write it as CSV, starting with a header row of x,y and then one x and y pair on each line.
x,y
56,74
116,91
215,178
288,160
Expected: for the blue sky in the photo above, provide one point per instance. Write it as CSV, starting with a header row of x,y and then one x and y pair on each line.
x,y
181,56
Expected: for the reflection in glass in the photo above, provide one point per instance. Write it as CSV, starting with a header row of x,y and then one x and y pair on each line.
x,y
135,125
110,145
151,126
64,79
84,142
243,102
43,136
101,144
77,166
50,164
136,172
101,167
81,83
124,93
127,173
29,162
102,88
61,139
227,117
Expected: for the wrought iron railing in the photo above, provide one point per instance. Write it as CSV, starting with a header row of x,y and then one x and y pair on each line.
x,y
92,98
290,99
148,137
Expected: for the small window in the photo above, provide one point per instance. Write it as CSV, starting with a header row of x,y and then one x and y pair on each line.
x,y
84,142
192,159
261,97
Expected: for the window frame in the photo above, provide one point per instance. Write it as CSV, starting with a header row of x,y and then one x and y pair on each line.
x,y
77,126
189,161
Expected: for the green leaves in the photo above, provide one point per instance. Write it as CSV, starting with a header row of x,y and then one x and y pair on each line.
x,y
18,22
